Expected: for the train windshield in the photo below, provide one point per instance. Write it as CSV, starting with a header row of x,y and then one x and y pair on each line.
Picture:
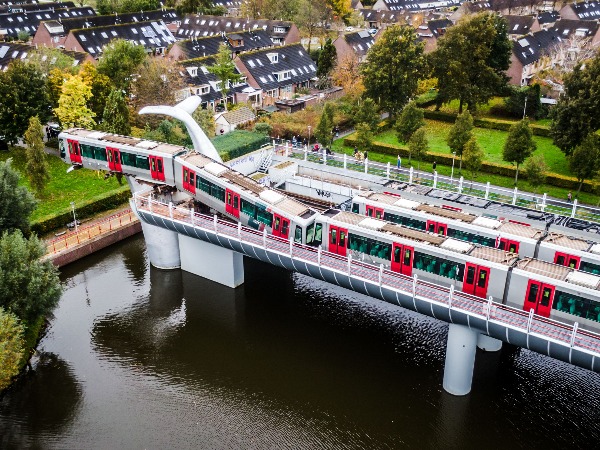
x,y
314,234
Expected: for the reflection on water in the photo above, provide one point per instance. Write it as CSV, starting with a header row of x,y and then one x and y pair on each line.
x,y
168,359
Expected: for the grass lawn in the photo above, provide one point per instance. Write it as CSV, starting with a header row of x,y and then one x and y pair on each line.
x,y
79,186
498,180
491,142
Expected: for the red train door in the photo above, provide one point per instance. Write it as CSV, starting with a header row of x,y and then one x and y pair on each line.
x,y
476,280
564,259
333,238
281,226
117,157
338,238
508,245
431,226
114,159
539,297
376,213
189,180
402,258
232,203
157,168
74,151
442,229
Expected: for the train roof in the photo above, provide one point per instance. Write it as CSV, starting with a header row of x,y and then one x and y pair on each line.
x,y
454,245
128,141
558,272
248,185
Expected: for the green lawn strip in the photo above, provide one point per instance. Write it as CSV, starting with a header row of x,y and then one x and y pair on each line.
x,y
79,186
497,180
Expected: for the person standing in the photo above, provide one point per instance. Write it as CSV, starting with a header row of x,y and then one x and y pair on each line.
x,y
434,165
570,197
399,162
366,154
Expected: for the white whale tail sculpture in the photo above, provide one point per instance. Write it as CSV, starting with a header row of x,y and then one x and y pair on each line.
x,y
183,111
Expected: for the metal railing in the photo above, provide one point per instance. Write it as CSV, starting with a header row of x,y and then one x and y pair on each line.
x,y
86,233
484,309
485,191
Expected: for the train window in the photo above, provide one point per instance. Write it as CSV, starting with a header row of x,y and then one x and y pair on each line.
x,y
159,165
483,274
314,234
355,208
397,254
264,216
229,199
277,221
235,203
589,267
61,145
369,246
560,260
342,238
546,295
298,234
406,221
333,236
284,227
248,208
192,178
470,275
142,162
203,184
533,292
439,266
87,151
153,165
576,305
185,175
471,237
129,159
406,261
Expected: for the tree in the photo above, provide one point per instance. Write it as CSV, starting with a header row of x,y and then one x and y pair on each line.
x,y
47,59
519,145
409,121
525,101
364,137
37,165
535,169
327,59
23,91
115,118
576,113
310,15
100,85
120,62
394,65
347,75
471,59
418,146
16,202
29,287
323,131
11,347
460,133
473,156
72,108
585,160
206,120
340,8
225,71
367,113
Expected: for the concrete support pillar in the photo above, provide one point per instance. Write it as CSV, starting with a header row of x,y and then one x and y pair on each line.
x,y
488,344
162,246
487,190
460,359
210,261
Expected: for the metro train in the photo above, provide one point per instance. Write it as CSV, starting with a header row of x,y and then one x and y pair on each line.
x,y
517,237
505,274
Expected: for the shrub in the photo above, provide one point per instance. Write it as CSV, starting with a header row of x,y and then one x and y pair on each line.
x,y
238,143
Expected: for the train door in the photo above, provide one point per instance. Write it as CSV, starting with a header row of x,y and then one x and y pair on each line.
x,y
437,227
476,280
564,259
539,297
113,155
376,213
232,203
442,229
508,245
402,258
74,151
281,226
431,226
189,180
157,168
338,238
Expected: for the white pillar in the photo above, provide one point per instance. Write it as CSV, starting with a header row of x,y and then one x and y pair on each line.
x,y
488,344
366,165
410,174
287,150
216,263
435,175
324,156
387,171
514,200
544,202
574,208
460,184
305,153
487,190
345,161
460,359
162,246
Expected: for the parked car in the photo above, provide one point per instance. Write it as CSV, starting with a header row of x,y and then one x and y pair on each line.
x,y
349,28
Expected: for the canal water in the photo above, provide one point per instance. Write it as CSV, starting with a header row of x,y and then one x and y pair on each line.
x,y
141,358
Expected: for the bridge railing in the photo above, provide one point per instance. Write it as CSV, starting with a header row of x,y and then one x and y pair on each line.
x,y
447,296
453,184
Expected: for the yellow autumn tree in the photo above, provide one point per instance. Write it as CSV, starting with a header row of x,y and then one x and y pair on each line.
x,y
341,8
72,108
347,75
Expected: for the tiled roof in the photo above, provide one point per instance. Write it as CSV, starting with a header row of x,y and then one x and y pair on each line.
x,y
63,27
228,4
383,16
418,5
196,75
279,66
360,41
580,28
12,23
151,34
10,51
21,6
200,47
238,116
548,17
519,25
587,10
438,27
201,25
530,48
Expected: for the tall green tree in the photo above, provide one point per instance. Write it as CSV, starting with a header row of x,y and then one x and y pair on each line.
x,y
577,112
72,108
394,65
409,121
16,202
418,146
37,168
471,59
100,85
535,169
29,287
584,162
115,118
364,137
206,120
325,126
12,347
121,61
473,156
519,145
460,133
367,112
23,94
225,71
327,59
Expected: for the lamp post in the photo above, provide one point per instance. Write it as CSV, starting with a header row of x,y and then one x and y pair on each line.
x,y
309,127
452,173
525,107
74,217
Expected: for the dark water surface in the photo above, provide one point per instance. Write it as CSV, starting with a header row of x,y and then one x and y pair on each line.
x,y
142,358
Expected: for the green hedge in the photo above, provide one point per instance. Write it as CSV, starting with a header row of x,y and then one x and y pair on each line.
x,y
552,179
238,143
490,124
88,209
